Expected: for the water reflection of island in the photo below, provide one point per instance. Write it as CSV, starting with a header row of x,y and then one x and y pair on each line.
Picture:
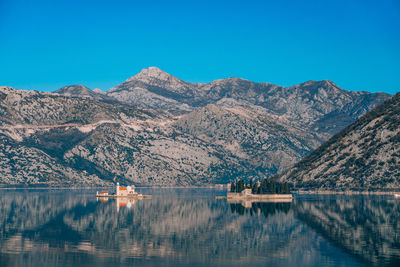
x,y
119,201
266,208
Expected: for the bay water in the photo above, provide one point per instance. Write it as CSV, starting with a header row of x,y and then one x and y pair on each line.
x,y
189,227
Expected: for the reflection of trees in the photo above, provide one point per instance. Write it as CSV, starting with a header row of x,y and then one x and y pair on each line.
x,y
367,227
266,209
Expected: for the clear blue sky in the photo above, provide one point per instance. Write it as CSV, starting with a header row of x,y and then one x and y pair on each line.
x,y
45,45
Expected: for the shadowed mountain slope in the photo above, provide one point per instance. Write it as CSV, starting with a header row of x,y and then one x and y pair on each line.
x,y
365,155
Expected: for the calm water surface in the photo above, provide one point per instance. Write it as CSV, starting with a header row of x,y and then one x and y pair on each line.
x,y
188,227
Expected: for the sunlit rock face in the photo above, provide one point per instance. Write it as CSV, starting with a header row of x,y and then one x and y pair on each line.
x,y
365,155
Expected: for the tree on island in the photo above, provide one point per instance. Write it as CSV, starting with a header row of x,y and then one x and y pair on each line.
x,y
267,186
254,188
240,186
233,187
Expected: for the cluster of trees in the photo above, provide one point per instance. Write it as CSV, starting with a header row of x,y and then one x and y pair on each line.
x,y
267,186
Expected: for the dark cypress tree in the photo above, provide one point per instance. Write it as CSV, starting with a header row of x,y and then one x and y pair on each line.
x,y
233,187
254,188
264,187
286,188
273,186
269,189
278,188
241,186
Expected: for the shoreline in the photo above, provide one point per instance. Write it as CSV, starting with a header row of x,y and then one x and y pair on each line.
x,y
107,187
330,192
295,192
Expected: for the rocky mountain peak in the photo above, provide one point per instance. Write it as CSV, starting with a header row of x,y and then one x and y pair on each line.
x,y
152,73
98,91
324,88
329,83
231,80
15,94
74,90
6,89
82,91
153,87
323,83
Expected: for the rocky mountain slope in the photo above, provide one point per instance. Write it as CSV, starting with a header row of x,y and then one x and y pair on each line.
x,y
156,129
46,137
248,135
365,155
37,128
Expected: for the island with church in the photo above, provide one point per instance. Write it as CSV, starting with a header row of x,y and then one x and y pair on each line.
x,y
267,190
122,192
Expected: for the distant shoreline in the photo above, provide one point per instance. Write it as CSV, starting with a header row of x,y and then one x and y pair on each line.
x,y
295,192
330,192
102,187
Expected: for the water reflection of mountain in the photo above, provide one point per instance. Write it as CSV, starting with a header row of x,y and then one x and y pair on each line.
x,y
22,210
367,227
72,229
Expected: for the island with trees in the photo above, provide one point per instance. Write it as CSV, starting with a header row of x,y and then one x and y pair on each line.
x,y
265,190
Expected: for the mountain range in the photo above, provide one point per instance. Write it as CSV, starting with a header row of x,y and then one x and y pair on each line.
x,y
155,129
320,106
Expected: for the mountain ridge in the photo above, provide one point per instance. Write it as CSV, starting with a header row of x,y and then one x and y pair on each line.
x,y
79,90
318,100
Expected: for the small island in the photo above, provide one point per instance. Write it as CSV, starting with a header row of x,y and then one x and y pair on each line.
x,y
259,191
122,192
